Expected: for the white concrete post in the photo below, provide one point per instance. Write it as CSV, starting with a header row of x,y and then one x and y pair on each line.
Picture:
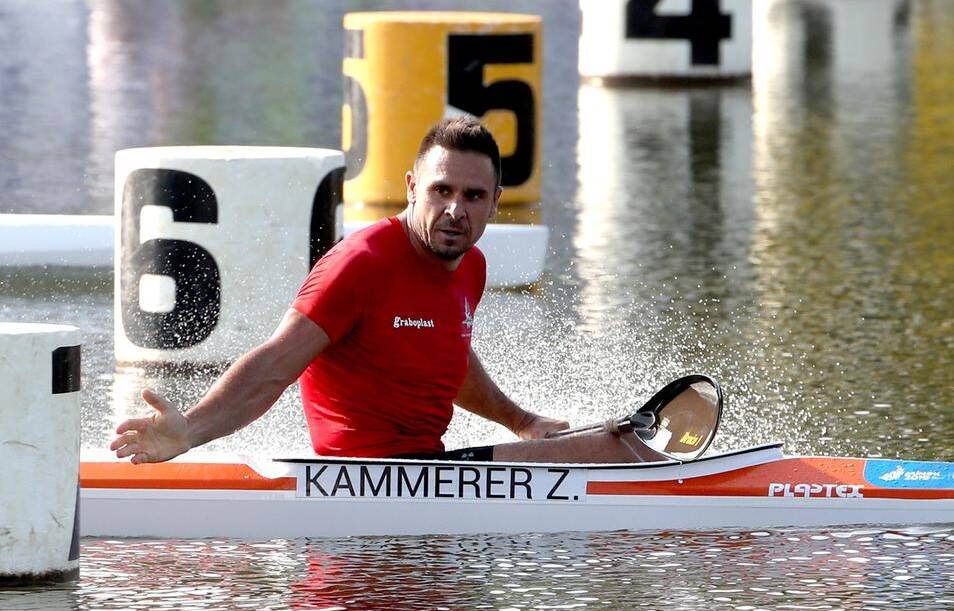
x,y
39,451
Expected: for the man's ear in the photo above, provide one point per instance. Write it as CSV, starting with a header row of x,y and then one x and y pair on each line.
x,y
493,210
410,182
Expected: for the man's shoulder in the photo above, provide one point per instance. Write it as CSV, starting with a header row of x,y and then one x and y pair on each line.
x,y
366,244
379,235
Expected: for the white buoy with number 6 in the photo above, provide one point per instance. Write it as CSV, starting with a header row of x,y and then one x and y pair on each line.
x,y
212,244
39,451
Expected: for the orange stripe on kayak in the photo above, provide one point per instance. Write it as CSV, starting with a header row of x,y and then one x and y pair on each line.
x,y
754,481
178,476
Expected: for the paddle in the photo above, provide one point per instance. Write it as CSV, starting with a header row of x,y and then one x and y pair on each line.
x,y
679,421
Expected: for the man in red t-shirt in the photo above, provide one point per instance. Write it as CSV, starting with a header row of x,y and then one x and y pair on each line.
x,y
399,327
379,336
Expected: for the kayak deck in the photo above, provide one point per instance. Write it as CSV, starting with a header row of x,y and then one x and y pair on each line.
x,y
215,495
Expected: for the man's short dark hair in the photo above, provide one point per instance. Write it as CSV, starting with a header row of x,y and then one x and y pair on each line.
x,y
462,134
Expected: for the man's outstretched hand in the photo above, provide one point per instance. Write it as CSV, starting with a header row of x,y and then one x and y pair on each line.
x,y
155,438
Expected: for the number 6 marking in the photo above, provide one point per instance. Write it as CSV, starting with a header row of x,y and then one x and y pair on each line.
x,y
194,270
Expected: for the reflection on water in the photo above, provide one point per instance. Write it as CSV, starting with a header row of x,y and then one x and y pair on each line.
x,y
840,257
662,178
780,569
43,148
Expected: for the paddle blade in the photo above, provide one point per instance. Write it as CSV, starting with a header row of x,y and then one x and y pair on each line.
x,y
687,414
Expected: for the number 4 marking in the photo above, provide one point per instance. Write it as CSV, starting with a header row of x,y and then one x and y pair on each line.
x,y
703,27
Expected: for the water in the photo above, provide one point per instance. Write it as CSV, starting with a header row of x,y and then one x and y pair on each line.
x,y
790,236
783,569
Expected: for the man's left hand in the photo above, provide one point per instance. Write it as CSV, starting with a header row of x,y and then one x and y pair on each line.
x,y
534,426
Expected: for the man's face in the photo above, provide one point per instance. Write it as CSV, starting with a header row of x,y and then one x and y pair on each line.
x,y
453,194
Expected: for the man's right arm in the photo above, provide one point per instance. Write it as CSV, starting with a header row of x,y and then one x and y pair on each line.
x,y
244,392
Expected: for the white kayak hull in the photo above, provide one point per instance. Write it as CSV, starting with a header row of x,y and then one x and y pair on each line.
x,y
220,496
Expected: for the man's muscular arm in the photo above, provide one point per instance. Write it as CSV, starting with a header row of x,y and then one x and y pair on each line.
x,y
244,392
480,395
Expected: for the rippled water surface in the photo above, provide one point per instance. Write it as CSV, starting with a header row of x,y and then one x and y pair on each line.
x,y
783,569
791,235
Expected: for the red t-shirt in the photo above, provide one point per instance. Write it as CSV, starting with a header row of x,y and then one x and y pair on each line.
x,y
400,330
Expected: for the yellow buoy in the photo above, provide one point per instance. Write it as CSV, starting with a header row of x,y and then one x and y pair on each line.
x,y
405,71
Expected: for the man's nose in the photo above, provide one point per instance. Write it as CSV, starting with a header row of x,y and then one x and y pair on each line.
x,y
455,209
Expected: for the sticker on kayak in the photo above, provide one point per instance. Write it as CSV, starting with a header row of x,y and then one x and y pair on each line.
x,y
909,474
440,482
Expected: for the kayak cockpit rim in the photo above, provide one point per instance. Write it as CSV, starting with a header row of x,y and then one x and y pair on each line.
x,y
750,456
759,453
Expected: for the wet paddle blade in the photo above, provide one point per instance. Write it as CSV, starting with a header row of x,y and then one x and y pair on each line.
x,y
686,416
679,421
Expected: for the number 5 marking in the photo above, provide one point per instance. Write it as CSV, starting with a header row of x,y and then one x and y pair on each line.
x,y
467,54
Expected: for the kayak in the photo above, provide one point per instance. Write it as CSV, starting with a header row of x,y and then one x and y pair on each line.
x,y
224,495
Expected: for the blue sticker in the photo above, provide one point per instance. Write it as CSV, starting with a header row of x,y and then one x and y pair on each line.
x,y
910,474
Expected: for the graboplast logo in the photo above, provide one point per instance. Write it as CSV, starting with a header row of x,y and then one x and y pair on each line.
x,y
417,323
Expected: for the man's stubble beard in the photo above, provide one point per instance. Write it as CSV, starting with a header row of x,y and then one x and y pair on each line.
x,y
448,254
